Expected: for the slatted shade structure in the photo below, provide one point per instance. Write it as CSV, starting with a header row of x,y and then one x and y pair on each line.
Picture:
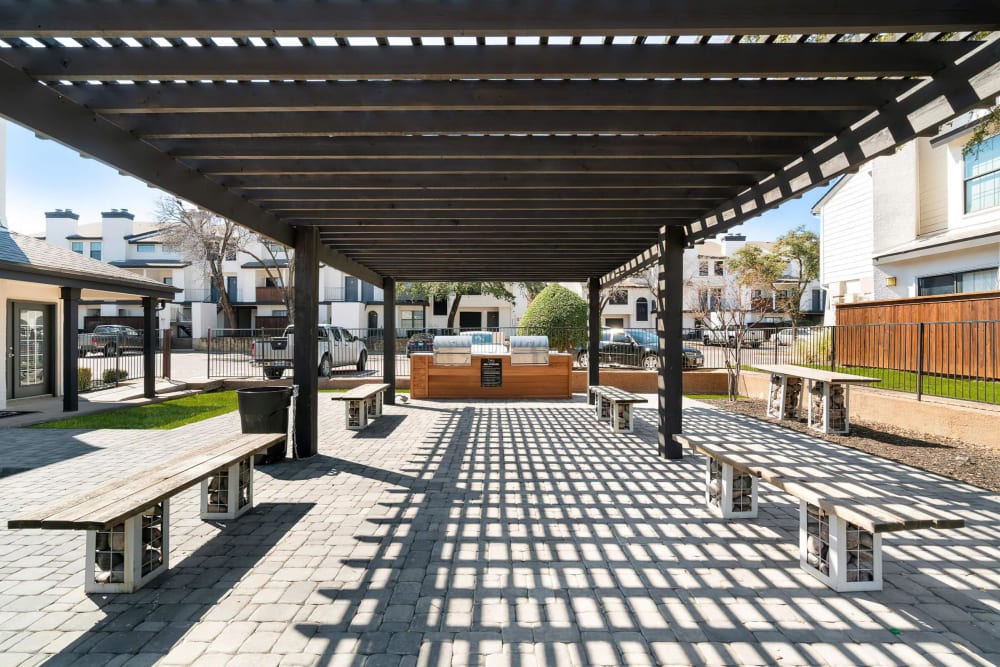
x,y
490,140
498,139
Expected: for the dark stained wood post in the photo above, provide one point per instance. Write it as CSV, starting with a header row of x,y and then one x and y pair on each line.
x,y
148,346
306,352
389,339
594,332
669,318
71,350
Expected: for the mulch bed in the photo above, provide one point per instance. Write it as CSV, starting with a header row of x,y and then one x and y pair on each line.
x,y
974,464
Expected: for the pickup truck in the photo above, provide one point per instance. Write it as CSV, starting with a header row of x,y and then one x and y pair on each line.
x,y
337,347
109,339
729,335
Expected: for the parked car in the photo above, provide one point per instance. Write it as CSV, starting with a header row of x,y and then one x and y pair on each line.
x,y
110,340
770,324
731,334
419,342
788,336
635,347
337,347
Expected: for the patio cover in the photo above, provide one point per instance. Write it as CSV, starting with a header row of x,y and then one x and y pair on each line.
x,y
498,139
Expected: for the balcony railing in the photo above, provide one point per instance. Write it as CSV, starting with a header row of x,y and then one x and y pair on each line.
x,y
269,295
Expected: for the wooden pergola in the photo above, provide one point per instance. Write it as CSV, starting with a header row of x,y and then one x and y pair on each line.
x,y
568,140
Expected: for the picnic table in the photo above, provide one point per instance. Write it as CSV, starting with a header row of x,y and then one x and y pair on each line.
x,y
827,394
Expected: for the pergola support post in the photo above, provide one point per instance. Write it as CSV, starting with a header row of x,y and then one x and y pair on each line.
x,y
148,347
71,352
594,332
306,352
389,339
669,316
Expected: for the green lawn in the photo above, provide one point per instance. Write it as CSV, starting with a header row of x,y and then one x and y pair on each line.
x,y
932,385
165,415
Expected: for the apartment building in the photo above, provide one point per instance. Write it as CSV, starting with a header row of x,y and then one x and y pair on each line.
x,y
253,280
923,221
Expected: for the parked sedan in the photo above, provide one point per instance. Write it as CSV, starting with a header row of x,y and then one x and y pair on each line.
x,y
636,347
419,342
788,336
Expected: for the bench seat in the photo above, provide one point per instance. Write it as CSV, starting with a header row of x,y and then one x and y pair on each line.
x,y
827,394
614,405
127,519
840,519
362,403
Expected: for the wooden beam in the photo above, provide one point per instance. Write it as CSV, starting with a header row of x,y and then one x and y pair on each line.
x,y
419,147
486,165
304,18
444,195
296,183
270,97
365,207
486,62
326,124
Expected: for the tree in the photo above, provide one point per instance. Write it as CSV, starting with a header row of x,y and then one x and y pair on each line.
x,y
204,237
987,126
728,314
799,250
274,253
755,269
443,290
559,314
533,288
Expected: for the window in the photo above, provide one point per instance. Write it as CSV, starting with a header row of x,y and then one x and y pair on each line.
x,y
641,309
230,255
95,249
279,313
145,247
168,281
618,297
703,268
272,282
982,176
441,306
720,267
411,319
955,283
170,248
275,248
620,337
77,247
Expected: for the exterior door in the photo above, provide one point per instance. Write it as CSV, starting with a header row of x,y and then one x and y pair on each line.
x,y
470,320
30,351
492,320
350,289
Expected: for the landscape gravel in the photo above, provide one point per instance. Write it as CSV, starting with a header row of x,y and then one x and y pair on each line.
x,y
974,464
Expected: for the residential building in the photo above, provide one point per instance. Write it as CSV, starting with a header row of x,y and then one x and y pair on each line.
x,y
922,221
253,280
709,288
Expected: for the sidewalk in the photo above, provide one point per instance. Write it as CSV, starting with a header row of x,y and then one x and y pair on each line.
x,y
454,533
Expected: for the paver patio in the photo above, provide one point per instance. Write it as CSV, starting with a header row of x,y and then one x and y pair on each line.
x,y
465,533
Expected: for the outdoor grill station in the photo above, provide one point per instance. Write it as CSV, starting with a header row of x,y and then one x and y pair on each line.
x,y
477,366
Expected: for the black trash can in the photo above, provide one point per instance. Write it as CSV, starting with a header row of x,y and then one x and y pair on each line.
x,y
265,410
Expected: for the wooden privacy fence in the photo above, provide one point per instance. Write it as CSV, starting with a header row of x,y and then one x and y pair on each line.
x,y
955,335
952,349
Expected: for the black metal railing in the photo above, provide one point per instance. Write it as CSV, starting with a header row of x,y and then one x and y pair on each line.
x,y
950,359
111,360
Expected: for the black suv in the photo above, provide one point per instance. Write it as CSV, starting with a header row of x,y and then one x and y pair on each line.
x,y
635,347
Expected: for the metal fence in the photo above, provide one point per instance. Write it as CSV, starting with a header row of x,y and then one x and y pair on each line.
x,y
951,359
110,360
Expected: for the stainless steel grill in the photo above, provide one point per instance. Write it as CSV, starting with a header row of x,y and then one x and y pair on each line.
x,y
526,350
453,350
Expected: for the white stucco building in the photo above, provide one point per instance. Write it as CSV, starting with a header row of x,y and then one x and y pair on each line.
x,y
118,239
923,221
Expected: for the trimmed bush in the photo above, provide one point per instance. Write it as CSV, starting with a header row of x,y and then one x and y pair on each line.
x,y
84,378
113,375
559,314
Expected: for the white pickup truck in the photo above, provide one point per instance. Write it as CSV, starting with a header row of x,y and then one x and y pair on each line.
x,y
337,347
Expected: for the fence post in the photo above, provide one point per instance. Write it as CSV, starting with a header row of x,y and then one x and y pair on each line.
x,y
920,360
833,348
165,354
208,355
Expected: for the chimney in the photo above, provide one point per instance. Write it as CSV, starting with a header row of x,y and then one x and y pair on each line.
x,y
730,243
115,226
59,224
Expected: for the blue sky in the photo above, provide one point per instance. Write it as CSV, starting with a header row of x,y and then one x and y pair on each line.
x,y
43,175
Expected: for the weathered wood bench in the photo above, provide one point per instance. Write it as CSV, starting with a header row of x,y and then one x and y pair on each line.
x,y
841,521
127,519
364,402
614,405
826,395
